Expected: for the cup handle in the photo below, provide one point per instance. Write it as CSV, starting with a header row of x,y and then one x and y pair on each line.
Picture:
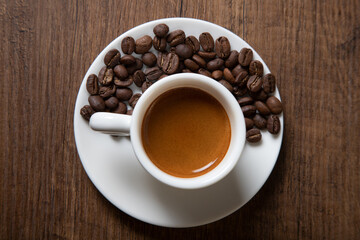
x,y
111,123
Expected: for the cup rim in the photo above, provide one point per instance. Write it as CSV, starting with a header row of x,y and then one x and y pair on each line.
x,y
233,111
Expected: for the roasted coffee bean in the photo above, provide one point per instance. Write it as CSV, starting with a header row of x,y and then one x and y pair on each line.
x,y
180,67
207,55
222,47
186,70
274,105
129,112
128,45
269,83
190,64
171,63
226,84
237,69
86,112
192,42
112,58
228,76
134,67
143,44
215,64
245,57
249,123
149,59
161,59
259,121
121,72
128,60
242,78
199,60
232,60
123,94
217,74
262,108
254,83
245,101
107,91
206,42
159,43
134,99
172,50
260,95
204,72
145,86
92,84
161,30
139,78
97,103
162,76
123,83
253,135
106,76
273,124
121,108
111,103
248,110
256,67
239,91
176,37
183,51
153,74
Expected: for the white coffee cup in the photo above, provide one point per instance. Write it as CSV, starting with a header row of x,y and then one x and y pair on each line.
x,y
121,124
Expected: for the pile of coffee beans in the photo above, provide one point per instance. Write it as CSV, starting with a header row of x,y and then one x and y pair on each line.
x,y
176,53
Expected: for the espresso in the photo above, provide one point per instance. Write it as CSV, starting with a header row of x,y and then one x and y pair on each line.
x,y
186,132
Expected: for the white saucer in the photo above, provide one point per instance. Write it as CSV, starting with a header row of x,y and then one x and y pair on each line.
x,y
113,168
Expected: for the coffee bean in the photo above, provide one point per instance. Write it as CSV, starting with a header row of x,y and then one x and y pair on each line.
x,y
245,57
112,103
242,78
161,59
248,110
206,42
134,99
269,83
162,76
260,95
180,67
176,37
149,59
262,108
249,123
226,84
237,69
159,43
97,103
106,76
172,50
232,60
199,60
207,55
171,63
183,51
123,83
134,67
217,74
273,124
86,112
204,72
139,78
92,84
143,44
228,76
112,58
190,64
107,91
256,67
128,45
129,112
121,108
121,72
253,135
192,42
145,86
186,71
153,74
161,30
274,105
124,94
127,60
259,121
245,101
215,64
239,91
254,83
222,47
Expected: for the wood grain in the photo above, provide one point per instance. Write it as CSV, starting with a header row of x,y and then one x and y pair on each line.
x,y
313,48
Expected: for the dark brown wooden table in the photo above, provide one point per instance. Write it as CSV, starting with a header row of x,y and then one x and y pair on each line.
x,y
313,47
